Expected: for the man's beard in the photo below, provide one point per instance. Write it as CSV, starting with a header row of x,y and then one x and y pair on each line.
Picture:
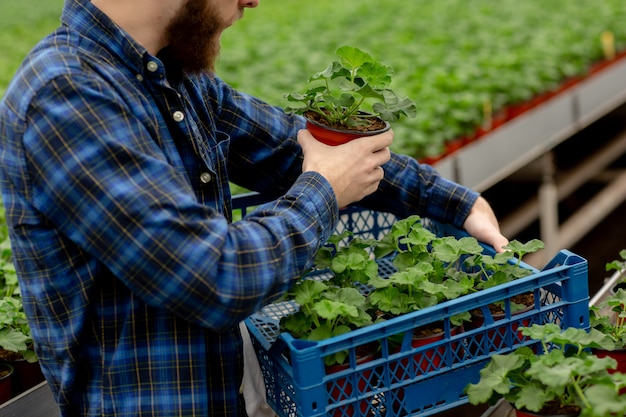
x,y
194,37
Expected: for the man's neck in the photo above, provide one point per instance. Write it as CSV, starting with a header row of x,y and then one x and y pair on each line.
x,y
144,20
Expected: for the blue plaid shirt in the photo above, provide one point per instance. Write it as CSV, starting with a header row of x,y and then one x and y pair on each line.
x,y
115,177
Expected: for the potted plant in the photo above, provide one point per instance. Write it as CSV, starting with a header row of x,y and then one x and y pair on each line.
x,y
618,265
499,269
612,325
609,316
16,344
565,378
6,381
350,98
427,272
327,311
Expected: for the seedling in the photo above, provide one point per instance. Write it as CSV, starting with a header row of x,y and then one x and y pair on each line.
x,y
340,93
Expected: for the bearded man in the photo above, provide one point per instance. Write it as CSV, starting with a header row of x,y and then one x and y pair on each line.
x,y
118,144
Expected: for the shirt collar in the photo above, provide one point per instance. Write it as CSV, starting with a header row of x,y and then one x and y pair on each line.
x,y
90,21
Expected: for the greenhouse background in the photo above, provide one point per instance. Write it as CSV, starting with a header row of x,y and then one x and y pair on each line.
x,y
481,72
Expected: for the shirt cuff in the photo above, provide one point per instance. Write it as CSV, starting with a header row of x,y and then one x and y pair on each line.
x,y
313,187
452,202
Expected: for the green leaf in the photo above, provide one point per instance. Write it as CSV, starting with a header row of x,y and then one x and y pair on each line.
x,y
450,249
533,397
321,333
521,249
412,275
603,401
350,296
308,291
332,70
353,57
330,310
617,264
459,319
418,236
494,378
391,300
13,340
555,377
298,324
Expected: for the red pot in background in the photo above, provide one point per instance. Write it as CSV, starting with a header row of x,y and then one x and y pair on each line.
x,y
6,382
496,335
423,362
27,375
342,388
430,358
454,145
618,354
428,160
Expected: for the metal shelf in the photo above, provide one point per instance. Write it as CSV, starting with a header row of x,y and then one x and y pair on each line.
x,y
496,155
530,138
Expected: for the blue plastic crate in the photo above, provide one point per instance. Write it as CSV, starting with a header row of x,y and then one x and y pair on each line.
x,y
422,380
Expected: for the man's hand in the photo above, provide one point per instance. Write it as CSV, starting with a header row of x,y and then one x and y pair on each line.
x,y
483,225
353,169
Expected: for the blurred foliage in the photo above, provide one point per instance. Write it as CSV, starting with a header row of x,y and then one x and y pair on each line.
x,y
450,56
23,23
455,58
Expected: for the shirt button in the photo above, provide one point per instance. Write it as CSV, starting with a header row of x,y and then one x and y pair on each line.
x,y
178,116
152,66
205,177
139,77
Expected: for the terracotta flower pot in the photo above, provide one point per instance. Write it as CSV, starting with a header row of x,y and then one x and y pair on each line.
x,y
618,354
497,336
334,137
343,388
6,382
27,375
431,358
423,362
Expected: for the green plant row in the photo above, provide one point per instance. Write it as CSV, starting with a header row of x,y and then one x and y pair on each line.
x,y
429,271
454,58
580,371
564,374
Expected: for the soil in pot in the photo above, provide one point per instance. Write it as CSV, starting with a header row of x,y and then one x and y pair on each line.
x,y
551,409
337,135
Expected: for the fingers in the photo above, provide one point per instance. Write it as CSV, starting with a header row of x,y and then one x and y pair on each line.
x,y
483,225
353,169
377,146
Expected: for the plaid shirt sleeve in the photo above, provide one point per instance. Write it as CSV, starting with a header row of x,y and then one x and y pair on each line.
x,y
98,175
413,188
